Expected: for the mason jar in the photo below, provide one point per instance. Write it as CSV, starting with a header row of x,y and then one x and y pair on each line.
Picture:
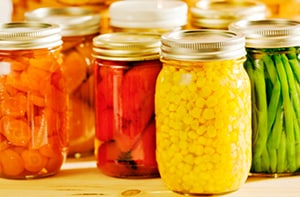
x,y
148,16
79,27
218,14
273,67
203,112
126,66
33,101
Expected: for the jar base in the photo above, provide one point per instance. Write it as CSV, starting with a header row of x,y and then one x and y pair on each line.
x,y
273,175
204,194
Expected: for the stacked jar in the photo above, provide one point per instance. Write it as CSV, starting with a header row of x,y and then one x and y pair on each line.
x,y
126,67
218,14
148,16
203,112
33,102
273,67
79,27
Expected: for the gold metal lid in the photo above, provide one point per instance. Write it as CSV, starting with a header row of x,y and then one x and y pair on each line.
x,y
74,21
127,46
29,35
269,33
202,45
220,13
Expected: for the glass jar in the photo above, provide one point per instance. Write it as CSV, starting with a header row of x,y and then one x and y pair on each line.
x,y
79,27
218,14
148,16
273,67
126,67
33,102
203,112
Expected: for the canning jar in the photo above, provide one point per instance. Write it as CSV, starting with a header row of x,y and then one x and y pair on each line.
x,y
203,112
218,14
148,16
126,67
79,27
33,101
273,67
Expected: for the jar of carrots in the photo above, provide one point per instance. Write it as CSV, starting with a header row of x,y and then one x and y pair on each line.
x,y
126,66
203,112
79,27
33,101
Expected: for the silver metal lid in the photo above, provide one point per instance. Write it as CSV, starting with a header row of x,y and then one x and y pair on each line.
x,y
127,46
269,33
220,13
202,45
74,21
29,35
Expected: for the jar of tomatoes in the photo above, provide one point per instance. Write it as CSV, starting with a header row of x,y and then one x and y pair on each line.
x,y
126,67
203,112
33,101
79,27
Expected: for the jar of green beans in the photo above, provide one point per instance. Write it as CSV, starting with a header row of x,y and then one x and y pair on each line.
x,y
274,70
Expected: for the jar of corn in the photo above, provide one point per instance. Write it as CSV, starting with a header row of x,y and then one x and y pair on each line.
x,y
126,67
79,27
203,112
273,67
33,101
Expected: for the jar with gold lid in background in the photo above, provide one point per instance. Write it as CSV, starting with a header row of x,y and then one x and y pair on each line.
x,y
218,14
33,102
148,16
126,67
203,112
79,27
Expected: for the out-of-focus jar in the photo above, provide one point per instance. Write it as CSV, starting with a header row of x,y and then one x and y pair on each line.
x,y
148,16
218,14
33,101
274,70
203,112
79,27
126,67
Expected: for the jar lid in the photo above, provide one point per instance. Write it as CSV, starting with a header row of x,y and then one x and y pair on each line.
x,y
148,14
29,35
127,46
269,33
202,45
74,21
220,13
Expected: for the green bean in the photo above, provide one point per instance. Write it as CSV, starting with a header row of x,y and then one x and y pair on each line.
x,y
290,145
277,129
281,159
296,69
259,143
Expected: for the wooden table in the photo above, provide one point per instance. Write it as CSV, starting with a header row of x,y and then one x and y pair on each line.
x,y
80,177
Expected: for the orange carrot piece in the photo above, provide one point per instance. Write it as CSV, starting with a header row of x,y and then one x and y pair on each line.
x,y
33,160
12,163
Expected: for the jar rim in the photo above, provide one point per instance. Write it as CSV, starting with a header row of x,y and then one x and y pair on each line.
x,y
269,33
203,45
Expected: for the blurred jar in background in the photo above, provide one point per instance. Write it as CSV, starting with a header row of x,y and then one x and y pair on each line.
x,y
22,6
148,16
5,10
79,27
218,14
283,8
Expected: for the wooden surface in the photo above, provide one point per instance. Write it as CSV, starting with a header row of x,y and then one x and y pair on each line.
x,y
80,177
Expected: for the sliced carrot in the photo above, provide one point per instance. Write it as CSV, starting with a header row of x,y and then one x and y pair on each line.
x,y
54,163
53,148
33,160
46,64
16,131
39,132
37,99
36,79
15,106
74,69
12,163
4,144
